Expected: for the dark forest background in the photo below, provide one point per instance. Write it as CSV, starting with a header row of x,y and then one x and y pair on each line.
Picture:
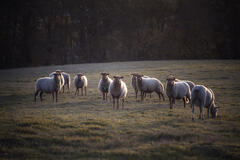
x,y
48,32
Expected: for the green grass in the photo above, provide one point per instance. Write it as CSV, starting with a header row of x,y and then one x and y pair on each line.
x,y
87,128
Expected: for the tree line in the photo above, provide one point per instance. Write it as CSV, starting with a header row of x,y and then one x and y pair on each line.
x,y
49,32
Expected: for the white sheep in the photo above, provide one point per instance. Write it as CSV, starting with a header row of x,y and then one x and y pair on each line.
x,y
149,85
134,83
177,90
67,80
62,82
80,81
48,85
103,85
203,97
118,90
190,83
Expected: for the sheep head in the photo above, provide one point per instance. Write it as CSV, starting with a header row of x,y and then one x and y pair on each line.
x,y
104,75
57,78
139,80
117,80
79,77
214,110
170,81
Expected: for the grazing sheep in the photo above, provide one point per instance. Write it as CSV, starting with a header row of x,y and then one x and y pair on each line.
x,y
117,90
203,97
80,81
134,83
62,82
48,85
67,80
149,85
103,84
190,83
177,90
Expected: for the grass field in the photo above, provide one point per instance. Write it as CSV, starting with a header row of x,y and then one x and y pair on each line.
x,y
87,128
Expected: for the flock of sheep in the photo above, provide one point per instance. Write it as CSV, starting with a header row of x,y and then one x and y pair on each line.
x,y
198,95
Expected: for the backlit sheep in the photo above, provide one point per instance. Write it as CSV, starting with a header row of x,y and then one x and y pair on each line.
x,y
149,85
62,82
177,90
118,90
48,85
80,81
103,85
203,97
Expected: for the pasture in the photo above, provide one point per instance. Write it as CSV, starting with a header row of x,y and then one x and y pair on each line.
x,y
87,128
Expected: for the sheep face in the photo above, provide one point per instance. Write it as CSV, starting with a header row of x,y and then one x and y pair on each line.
x,y
104,76
139,80
117,80
214,110
170,82
57,79
79,75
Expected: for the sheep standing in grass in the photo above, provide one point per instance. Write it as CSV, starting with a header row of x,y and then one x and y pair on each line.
x,y
62,82
80,81
203,97
149,85
177,90
67,80
103,84
134,83
118,90
48,85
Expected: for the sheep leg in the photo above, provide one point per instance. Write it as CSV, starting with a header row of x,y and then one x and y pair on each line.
x,y
56,96
103,96
82,91
35,95
53,96
41,95
85,88
184,102
145,94
117,103
159,96
113,103
208,111
63,88
163,96
136,92
193,112
150,95
76,91
142,95
170,100
202,114
106,96
122,103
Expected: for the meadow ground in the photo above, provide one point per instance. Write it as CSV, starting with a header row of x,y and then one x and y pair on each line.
x,y
87,128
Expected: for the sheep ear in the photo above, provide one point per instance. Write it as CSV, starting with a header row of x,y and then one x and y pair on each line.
x,y
121,77
114,77
107,73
